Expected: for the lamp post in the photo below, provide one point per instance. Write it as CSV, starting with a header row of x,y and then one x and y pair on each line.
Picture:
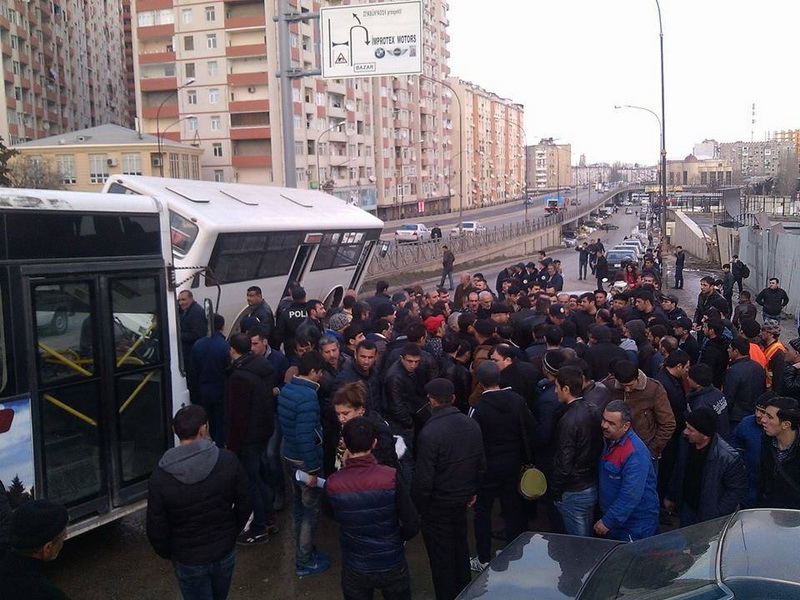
x,y
663,168
460,146
316,146
663,133
188,82
166,129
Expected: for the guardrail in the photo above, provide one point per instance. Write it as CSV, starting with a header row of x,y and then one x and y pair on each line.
x,y
393,257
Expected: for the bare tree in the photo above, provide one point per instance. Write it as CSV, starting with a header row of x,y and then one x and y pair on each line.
x,y
37,174
786,184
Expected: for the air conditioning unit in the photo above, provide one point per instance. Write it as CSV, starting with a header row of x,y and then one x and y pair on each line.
x,y
252,90
111,162
156,161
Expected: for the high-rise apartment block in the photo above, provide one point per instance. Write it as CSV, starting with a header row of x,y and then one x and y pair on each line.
x,y
489,141
549,165
63,67
759,159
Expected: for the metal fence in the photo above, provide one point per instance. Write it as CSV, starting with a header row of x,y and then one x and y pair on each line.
x,y
394,257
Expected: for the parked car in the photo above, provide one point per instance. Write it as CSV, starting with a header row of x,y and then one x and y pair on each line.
x,y
629,211
468,228
412,232
749,554
633,243
609,227
617,256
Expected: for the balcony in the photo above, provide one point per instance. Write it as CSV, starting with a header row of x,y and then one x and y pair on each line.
x,y
246,50
252,160
167,111
251,133
159,84
248,79
248,106
246,22
147,5
155,58
156,32
8,76
6,49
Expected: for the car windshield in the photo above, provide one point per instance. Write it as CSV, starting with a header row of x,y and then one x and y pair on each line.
x,y
665,566
408,228
468,225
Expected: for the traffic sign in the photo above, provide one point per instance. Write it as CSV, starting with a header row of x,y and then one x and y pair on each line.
x,y
367,40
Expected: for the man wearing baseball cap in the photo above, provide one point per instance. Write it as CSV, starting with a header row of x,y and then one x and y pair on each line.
x,y
710,479
38,531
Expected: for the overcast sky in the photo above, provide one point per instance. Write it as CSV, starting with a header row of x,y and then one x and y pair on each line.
x,y
570,61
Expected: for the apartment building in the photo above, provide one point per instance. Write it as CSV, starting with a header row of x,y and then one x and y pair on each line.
x,y
489,143
549,166
63,67
760,159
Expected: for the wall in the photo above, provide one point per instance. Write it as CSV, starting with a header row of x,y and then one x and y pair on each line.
x,y
686,233
769,254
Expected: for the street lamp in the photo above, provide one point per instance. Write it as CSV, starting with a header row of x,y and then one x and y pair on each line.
x,y
663,133
319,137
166,129
188,82
460,146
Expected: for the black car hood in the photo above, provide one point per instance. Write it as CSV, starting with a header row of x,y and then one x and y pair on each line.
x,y
539,566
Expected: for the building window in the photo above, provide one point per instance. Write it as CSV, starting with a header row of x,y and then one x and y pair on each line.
x,y
188,43
213,67
186,16
191,96
219,176
215,122
195,167
213,95
174,165
131,163
216,149
186,174
15,67
189,70
299,148
66,167
98,168
300,174
211,41
14,41
146,19
210,14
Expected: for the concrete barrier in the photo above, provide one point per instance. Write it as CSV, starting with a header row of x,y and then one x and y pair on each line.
x,y
689,235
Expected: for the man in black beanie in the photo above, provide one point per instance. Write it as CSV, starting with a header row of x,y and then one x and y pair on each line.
x,y
38,531
710,479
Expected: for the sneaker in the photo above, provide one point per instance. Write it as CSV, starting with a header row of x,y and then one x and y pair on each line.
x,y
252,538
476,565
319,563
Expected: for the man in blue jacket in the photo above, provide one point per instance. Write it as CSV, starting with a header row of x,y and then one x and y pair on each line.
x,y
206,377
628,498
376,517
299,415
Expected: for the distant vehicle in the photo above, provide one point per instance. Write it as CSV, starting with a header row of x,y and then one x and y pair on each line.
x,y
609,227
554,203
629,211
634,243
527,201
468,228
412,232
617,256
749,554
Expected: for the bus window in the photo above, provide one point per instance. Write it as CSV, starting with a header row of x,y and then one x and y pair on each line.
x,y
248,256
142,425
338,250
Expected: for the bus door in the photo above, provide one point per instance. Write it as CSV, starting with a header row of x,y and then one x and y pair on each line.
x,y
300,265
100,387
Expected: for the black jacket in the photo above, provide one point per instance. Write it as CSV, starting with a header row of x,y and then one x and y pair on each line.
x,y
713,300
597,396
744,383
791,382
350,374
744,311
676,396
502,414
452,369
450,461
774,491
522,378
578,444
711,397
404,399
263,314
249,402
714,353
384,451
599,357
193,326
772,301
21,578
691,346
286,326
724,481
197,503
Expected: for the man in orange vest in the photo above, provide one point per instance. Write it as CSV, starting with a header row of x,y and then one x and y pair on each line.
x,y
751,329
775,352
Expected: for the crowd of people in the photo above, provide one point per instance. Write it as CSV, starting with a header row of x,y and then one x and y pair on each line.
x,y
413,408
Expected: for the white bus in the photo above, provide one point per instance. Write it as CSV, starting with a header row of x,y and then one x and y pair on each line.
x,y
227,237
87,329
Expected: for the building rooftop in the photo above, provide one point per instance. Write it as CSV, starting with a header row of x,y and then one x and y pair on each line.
x,y
103,135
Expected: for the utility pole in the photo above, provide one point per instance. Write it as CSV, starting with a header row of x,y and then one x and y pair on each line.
x,y
286,74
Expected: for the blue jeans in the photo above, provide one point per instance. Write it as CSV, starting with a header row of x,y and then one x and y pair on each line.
x,y
775,318
210,581
448,275
306,513
577,511
262,493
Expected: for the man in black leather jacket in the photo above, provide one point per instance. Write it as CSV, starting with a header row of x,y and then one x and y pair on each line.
x,y
578,443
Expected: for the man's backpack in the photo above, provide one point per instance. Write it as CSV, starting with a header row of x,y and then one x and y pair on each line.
x,y
745,271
